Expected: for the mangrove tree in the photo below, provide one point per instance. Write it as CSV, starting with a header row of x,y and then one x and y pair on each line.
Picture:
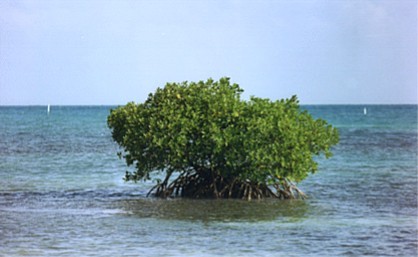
x,y
201,140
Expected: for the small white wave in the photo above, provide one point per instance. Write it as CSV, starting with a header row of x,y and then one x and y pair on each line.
x,y
67,211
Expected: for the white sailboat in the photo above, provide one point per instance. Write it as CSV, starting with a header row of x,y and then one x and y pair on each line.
x,y
365,111
49,109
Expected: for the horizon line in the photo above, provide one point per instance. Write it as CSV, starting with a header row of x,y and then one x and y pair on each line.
x,y
103,105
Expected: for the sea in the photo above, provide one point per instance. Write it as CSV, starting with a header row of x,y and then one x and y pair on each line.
x,y
62,193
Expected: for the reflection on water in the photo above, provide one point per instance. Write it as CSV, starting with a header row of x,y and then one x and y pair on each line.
x,y
216,210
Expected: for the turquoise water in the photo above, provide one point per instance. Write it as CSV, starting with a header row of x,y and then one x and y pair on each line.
x,y
62,194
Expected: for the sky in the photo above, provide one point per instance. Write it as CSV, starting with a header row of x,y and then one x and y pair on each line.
x,y
110,52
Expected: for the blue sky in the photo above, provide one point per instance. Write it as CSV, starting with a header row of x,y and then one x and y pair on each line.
x,y
112,52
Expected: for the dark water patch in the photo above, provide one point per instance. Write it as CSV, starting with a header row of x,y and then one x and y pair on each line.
x,y
77,199
71,194
215,210
360,140
31,143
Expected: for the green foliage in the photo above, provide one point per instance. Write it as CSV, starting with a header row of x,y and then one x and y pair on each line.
x,y
210,138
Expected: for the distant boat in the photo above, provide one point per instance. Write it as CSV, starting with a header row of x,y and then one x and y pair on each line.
x,y
365,111
49,109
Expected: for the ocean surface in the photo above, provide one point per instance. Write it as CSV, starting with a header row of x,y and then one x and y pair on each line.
x,y
62,194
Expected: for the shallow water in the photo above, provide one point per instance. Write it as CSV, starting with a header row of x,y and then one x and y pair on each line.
x,y
62,194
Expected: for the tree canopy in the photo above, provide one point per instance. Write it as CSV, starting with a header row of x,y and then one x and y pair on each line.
x,y
208,143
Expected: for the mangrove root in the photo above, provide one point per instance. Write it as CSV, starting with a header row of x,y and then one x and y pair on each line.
x,y
194,185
